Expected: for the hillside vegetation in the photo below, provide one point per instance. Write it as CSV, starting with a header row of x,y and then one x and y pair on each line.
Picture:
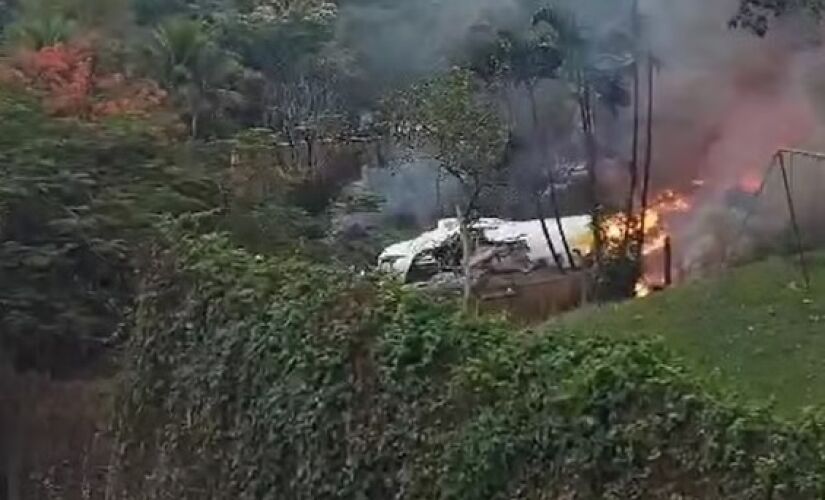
x,y
755,328
252,377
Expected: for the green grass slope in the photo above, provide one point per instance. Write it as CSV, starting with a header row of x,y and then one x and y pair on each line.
x,y
755,329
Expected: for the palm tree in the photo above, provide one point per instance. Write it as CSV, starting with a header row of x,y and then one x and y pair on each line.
x,y
38,32
42,23
193,68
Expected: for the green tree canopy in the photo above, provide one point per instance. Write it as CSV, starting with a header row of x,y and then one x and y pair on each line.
x,y
448,119
76,200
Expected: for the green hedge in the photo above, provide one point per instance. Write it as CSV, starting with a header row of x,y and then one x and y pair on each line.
x,y
255,378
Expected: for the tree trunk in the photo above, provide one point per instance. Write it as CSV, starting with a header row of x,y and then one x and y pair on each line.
x,y
634,157
585,108
466,254
547,237
193,125
557,214
438,192
541,144
266,108
310,152
668,271
508,103
648,159
531,93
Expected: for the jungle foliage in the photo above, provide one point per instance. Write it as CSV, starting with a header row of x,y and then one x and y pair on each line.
x,y
75,201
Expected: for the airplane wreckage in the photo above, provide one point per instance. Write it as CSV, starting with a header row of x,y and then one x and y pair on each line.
x,y
511,268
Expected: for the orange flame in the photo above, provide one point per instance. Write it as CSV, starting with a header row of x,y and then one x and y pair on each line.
x,y
750,183
642,290
668,202
656,231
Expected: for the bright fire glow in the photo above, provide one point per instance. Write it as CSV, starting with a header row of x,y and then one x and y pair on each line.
x,y
617,227
667,203
750,183
642,290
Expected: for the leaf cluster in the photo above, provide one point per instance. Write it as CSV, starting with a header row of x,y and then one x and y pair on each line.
x,y
448,118
75,201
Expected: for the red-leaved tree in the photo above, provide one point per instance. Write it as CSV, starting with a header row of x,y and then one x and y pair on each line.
x,y
71,85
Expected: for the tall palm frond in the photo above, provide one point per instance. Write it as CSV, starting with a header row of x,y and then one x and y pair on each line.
x,y
176,46
568,35
194,68
36,33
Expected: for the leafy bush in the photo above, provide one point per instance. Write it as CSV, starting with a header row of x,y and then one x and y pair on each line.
x,y
251,377
75,201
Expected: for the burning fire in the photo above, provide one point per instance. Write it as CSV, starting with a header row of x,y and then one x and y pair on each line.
x,y
617,227
642,289
666,203
750,183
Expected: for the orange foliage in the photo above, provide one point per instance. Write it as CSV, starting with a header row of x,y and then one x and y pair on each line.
x,y
68,79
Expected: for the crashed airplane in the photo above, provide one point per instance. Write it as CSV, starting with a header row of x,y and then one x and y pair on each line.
x,y
501,246
511,268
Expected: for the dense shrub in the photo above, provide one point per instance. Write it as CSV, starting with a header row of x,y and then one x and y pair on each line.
x,y
252,377
75,201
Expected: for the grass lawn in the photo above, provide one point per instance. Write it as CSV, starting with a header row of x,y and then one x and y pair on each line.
x,y
754,329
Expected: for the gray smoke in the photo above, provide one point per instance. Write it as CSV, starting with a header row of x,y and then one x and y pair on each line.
x,y
402,41
413,192
726,100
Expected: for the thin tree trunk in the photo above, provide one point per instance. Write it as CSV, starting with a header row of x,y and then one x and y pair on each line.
x,y
668,270
310,152
585,107
634,157
557,214
438,192
648,159
193,125
531,93
547,237
266,111
466,254
541,144
511,114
